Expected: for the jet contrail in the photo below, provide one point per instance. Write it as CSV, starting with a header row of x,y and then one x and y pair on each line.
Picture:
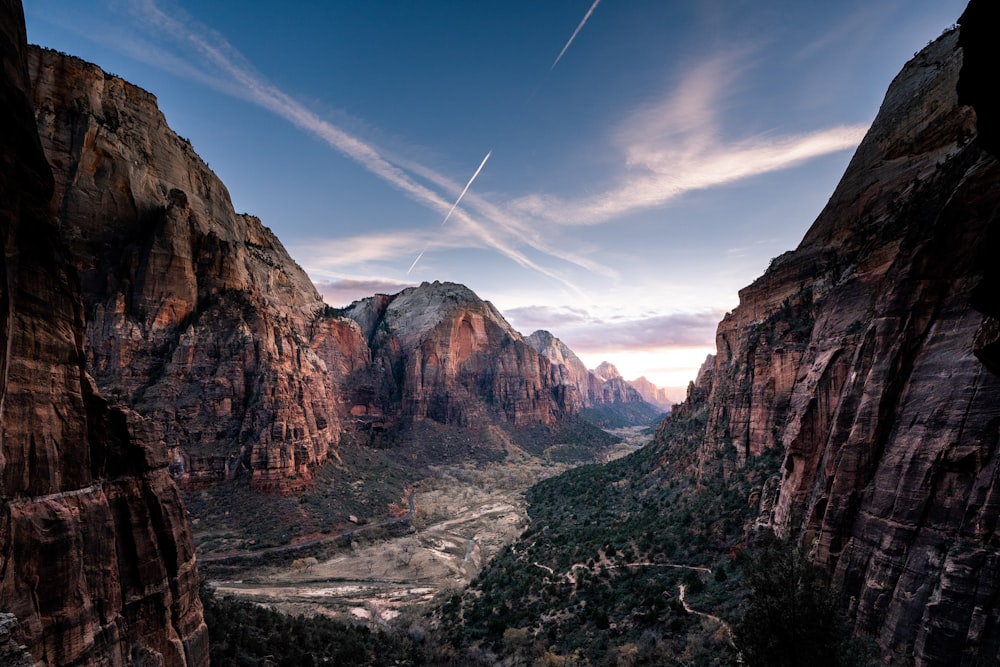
x,y
223,68
454,206
415,261
586,17
466,189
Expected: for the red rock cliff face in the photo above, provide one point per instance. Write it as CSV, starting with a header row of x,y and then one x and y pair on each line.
x,y
441,353
96,558
604,386
196,316
854,354
199,319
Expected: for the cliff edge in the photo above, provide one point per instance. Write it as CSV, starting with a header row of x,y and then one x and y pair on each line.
x,y
856,356
97,562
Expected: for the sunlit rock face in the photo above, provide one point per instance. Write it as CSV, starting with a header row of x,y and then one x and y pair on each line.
x,y
441,353
855,354
196,316
651,393
602,386
97,562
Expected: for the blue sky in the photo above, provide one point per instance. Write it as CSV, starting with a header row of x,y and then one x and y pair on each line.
x,y
646,159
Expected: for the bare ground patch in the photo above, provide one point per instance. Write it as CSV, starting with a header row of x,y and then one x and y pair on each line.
x,y
462,515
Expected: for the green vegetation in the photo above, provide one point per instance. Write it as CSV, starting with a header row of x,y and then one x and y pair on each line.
x,y
791,616
245,634
597,576
232,517
620,415
328,312
643,561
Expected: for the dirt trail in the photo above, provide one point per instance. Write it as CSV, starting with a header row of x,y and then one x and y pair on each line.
x,y
725,626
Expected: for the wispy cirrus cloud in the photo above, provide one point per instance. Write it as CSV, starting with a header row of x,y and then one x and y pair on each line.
x,y
322,256
667,149
586,332
232,74
676,146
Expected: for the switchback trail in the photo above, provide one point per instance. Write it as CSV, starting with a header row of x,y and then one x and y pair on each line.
x,y
688,609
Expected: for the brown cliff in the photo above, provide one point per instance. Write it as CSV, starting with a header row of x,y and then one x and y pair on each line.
x,y
650,393
853,354
615,388
441,354
96,558
196,316
601,388
583,386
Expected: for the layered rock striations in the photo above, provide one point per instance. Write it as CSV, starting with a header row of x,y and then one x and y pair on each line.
x,y
615,388
603,395
196,316
97,562
441,353
651,393
583,387
602,386
854,355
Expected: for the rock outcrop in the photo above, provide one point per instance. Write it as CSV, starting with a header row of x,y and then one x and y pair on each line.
x,y
603,394
441,353
854,354
601,386
615,389
97,562
651,393
196,316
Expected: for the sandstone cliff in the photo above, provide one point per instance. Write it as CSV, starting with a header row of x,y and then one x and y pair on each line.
x,y
615,388
651,393
196,316
603,386
96,558
854,355
443,355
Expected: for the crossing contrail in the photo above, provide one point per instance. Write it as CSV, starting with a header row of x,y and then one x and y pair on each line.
x,y
586,17
454,206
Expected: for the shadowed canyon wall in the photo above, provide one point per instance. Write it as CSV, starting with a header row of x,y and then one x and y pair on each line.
x,y
196,316
96,558
856,355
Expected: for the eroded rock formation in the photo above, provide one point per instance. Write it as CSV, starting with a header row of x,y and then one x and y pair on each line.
x,y
854,354
442,353
196,316
602,386
651,393
96,559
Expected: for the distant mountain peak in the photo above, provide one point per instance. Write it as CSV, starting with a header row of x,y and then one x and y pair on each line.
x,y
607,371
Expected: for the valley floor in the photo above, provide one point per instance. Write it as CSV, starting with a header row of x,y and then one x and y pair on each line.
x,y
460,517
